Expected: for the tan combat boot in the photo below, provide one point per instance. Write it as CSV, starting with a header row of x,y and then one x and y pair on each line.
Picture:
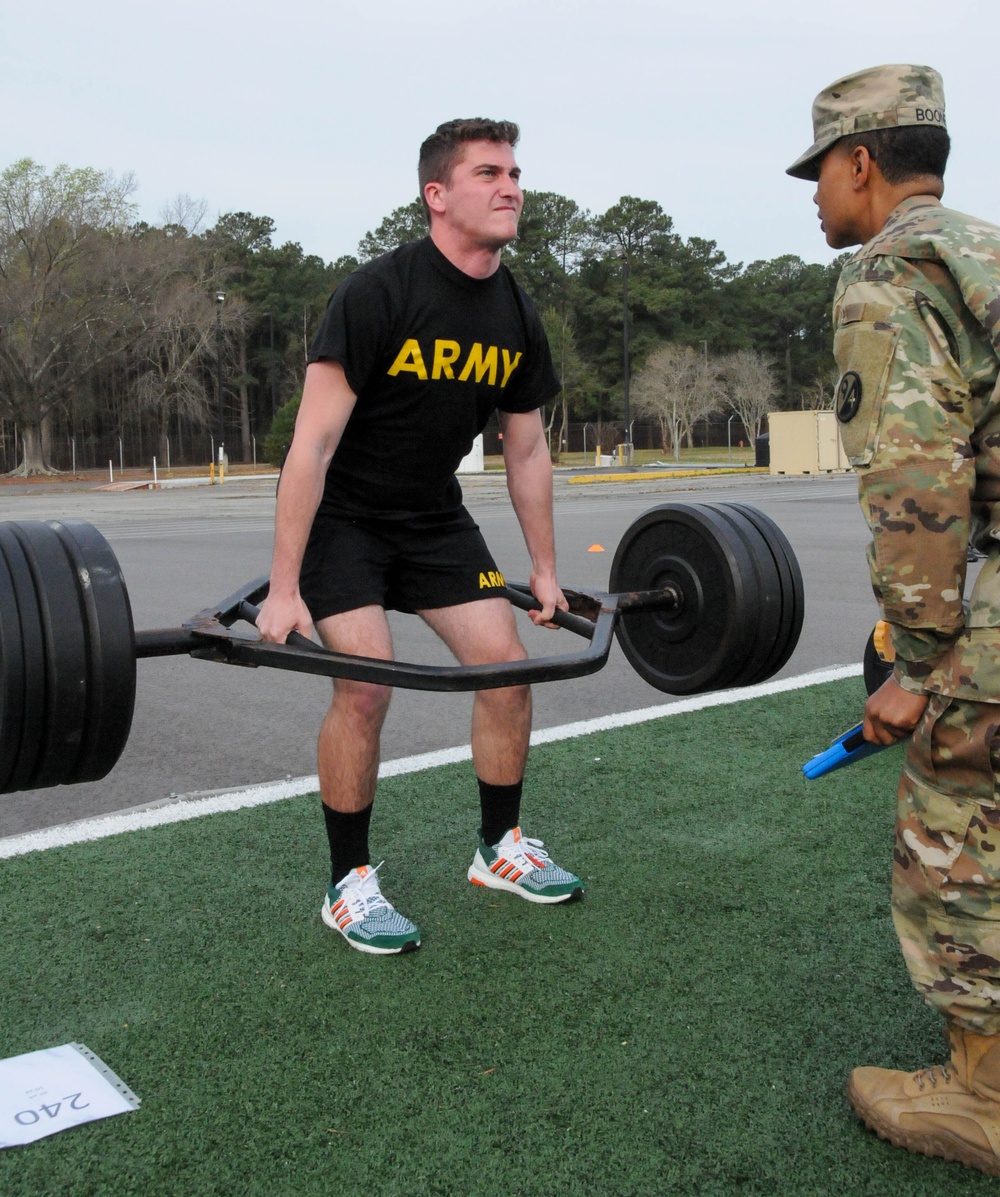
x,y
951,1110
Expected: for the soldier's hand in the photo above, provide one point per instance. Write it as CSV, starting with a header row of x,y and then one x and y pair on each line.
x,y
547,591
280,615
892,713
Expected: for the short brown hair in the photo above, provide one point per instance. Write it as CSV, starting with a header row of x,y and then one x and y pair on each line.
x,y
441,151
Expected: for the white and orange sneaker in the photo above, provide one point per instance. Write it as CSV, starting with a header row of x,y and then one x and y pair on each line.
x,y
523,867
356,908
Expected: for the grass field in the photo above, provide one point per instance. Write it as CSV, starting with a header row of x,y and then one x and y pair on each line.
x,y
686,1029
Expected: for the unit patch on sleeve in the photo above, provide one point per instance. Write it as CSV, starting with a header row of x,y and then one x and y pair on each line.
x,y
849,396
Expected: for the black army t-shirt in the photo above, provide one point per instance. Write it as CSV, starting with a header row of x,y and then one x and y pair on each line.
x,y
430,353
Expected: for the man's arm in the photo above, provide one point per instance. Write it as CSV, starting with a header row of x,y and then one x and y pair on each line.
x,y
909,438
327,403
529,483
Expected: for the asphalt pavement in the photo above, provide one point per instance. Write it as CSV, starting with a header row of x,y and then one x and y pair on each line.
x,y
200,727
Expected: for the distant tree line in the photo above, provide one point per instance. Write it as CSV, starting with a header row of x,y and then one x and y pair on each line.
x,y
176,337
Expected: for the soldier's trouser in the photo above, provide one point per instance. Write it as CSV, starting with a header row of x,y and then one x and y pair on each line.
x,y
946,873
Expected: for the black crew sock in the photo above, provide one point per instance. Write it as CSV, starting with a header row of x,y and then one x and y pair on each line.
x,y
501,809
347,832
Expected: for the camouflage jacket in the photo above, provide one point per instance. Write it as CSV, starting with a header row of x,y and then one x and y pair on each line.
x,y
917,341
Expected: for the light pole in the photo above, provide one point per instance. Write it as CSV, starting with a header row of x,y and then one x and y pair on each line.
x,y
274,401
705,347
220,299
628,422
788,367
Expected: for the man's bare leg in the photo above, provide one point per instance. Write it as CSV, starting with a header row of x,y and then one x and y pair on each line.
x,y
349,755
483,633
348,749
479,633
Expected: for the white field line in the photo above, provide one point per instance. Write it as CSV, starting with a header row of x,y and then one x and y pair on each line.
x,y
181,809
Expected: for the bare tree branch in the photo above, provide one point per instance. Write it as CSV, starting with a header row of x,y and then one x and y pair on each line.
x,y
677,387
750,387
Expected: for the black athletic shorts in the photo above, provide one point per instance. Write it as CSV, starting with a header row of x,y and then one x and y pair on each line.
x,y
351,563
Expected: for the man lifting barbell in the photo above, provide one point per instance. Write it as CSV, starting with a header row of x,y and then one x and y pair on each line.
x,y
416,351
705,596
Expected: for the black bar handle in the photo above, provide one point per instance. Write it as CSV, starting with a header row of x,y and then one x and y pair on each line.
x,y
562,619
301,655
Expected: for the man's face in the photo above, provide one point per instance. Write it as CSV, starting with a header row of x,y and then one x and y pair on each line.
x,y
482,200
838,200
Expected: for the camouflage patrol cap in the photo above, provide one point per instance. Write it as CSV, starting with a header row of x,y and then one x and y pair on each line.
x,y
882,97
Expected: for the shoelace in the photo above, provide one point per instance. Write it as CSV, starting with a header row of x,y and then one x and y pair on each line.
x,y
366,894
528,852
930,1075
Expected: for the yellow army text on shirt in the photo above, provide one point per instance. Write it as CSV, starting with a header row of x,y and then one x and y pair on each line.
x,y
917,341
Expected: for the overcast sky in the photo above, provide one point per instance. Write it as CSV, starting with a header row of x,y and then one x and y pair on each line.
x,y
312,112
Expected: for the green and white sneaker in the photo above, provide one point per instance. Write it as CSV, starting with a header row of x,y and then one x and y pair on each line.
x,y
523,867
356,908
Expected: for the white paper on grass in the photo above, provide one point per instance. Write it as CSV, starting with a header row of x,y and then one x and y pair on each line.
x,y
51,1090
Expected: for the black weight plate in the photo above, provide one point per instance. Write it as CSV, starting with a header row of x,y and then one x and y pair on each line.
x,y
769,625
64,633
792,589
707,641
876,671
33,667
107,614
11,676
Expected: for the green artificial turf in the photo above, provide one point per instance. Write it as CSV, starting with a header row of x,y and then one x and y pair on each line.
x,y
686,1029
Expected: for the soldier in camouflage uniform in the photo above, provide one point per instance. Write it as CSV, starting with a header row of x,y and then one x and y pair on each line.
x,y
917,320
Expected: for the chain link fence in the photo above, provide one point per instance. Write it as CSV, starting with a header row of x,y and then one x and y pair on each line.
x,y
197,447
